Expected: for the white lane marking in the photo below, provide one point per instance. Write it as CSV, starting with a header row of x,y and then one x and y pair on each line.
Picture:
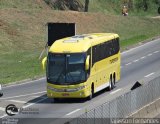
x,y
23,83
128,63
149,54
18,101
136,60
73,111
156,51
35,102
22,95
143,57
38,97
35,96
115,91
149,75
5,115
145,44
2,109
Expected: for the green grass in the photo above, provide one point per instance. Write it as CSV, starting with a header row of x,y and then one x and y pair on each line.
x,y
23,33
133,40
18,66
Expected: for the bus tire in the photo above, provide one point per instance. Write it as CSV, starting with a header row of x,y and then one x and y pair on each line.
x,y
114,80
55,99
111,85
92,92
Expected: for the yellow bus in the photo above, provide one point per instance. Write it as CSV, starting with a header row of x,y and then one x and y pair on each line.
x,y
81,65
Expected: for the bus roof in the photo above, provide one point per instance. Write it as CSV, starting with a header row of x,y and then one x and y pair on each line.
x,y
80,43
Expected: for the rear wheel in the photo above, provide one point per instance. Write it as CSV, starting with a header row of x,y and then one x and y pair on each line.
x,y
1,94
111,85
114,80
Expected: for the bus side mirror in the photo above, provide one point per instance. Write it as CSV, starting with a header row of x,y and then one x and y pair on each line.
x,y
87,63
44,63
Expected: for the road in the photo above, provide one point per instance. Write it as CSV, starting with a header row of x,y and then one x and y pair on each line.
x,y
137,63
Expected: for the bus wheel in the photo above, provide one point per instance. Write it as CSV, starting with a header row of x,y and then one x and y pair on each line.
x,y
92,92
114,80
111,85
55,99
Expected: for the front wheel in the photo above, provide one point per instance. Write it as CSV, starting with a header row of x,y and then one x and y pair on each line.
x,y
91,95
56,99
53,100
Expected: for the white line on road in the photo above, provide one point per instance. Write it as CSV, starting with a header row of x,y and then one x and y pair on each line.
x,y
25,106
38,97
73,111
18,101
115,91
23,83
136,60
149,54
156,51
35,96
2,109
143,57
5,115
22,95
128,63
34,103
149,75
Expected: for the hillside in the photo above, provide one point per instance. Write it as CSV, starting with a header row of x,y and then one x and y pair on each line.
x,y
23,33
135,7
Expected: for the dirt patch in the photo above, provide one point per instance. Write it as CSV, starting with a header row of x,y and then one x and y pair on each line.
x,y
8,29
156,17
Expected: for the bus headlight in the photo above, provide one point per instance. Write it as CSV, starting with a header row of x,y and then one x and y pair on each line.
x,y
75,89
54,89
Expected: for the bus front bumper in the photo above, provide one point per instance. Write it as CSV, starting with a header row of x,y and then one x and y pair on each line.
x,y
77,94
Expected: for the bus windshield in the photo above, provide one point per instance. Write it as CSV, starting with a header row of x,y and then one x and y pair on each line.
x,y
66,69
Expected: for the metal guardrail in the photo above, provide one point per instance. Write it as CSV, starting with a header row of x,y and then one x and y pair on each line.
x,y
122,106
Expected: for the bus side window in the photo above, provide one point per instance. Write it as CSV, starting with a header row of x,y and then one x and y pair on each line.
x,y
93,55
110,48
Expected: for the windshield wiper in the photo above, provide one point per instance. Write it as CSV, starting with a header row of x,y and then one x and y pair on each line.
x,y
60,75
70,76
